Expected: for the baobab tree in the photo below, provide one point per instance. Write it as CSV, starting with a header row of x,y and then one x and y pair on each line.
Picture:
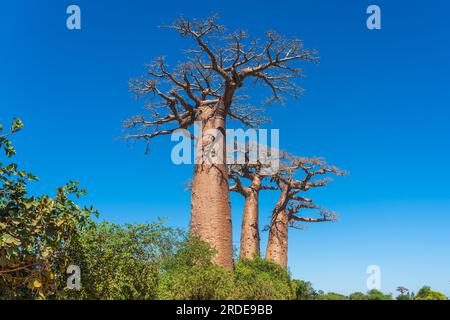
x,y
204,89
254,172
291,202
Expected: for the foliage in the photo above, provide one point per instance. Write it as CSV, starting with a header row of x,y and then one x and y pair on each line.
x,y
303,290
34,231
425,293
261,280
357,296
190,274
405,297
331,296
41,236
122,261
378,295
404,294
155,262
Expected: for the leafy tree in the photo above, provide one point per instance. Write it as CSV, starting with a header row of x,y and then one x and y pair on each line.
x,y
34,231
404,295
425,293
303,290
378,295
402,290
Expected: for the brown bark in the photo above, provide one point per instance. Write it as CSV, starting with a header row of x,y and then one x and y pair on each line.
x,y
210,202
250,226
278,239
278,233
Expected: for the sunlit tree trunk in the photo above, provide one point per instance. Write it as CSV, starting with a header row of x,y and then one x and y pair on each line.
x,y
250,230
210,202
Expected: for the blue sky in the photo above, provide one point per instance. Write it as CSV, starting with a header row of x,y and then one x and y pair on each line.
x,y
376,105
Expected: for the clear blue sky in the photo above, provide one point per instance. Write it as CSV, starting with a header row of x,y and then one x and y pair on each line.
x,y
377,105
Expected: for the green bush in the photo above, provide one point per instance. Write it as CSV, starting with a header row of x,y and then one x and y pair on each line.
x,y
35,232
190,274
425,293
404,297
261,280
41,236
357,296
303,290
378,295
331,296
122,261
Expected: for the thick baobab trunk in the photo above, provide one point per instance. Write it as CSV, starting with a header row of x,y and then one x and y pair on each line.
x,y
210,201
250,230
278,240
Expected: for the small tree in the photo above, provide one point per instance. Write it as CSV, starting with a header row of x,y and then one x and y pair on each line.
x,y
204,90
425,293
303,290
35,232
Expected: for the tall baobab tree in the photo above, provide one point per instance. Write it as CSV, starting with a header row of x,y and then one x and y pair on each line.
x,y
402,290
290,202
203,89
256,175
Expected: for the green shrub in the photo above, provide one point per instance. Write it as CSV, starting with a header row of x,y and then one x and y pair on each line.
x,y
378,295
331,296
122,261
261,280
425,293
303,290
357,296
190,274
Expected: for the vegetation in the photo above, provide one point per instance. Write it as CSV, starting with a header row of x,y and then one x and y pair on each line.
x,y
34,231
150,261
155,262
121,261
425,293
